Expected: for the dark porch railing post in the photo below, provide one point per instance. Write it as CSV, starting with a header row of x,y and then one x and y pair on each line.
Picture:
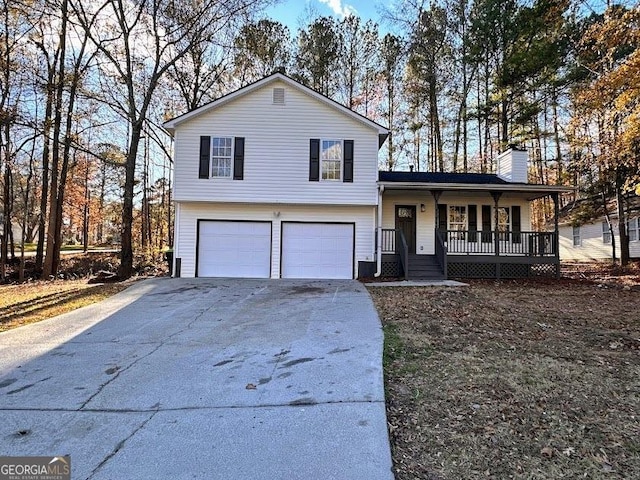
x,y
441,251
556,232
496,240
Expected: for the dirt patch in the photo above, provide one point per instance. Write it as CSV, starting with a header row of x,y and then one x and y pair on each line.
x,y
532,380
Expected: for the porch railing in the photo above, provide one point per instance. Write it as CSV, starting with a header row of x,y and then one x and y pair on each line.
x,y
393,241
441,252
388,240
536,244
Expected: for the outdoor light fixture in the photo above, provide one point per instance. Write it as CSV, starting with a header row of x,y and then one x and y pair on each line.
x,y
422,207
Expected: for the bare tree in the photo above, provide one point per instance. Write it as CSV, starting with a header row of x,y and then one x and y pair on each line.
x,y
391,53
140,42
13,31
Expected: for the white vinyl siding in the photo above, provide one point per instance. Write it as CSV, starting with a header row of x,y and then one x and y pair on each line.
x,y
276,156
512,166
190,213
425,221
592,247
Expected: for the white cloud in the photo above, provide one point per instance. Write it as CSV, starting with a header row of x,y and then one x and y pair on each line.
x,y
340,9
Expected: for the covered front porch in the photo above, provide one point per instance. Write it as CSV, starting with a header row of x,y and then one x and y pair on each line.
x,y
441,230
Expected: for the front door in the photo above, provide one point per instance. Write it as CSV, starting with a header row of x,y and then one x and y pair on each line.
x,y
406,222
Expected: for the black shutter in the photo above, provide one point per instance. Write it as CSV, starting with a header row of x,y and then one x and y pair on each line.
x,y
314,160
238,158
205,156
348,161
486,223
516,224
473,223
442,216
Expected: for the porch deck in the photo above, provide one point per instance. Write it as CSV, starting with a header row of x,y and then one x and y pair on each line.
x,y
473,254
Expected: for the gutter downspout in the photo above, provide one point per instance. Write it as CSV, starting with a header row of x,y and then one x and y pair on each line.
x,y
379,230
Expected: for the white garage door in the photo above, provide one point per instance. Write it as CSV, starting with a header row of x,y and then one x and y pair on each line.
x,y
234,249
317,250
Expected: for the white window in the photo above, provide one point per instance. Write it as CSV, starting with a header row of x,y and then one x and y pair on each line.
x,y
331,159
504,223
634,229
606,233
458,220
221,156
577,241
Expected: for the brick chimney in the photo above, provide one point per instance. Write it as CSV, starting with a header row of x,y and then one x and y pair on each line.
x,y
512,165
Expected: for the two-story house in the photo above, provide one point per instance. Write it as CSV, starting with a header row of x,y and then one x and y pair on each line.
x,y
275,180
278,181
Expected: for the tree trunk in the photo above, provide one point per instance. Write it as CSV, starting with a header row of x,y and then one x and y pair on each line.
x,y
53,242
42,216
479,107
390,112
103,186
556,137
126,254
169,208
6,224
622,222
504,121
435,124
85,213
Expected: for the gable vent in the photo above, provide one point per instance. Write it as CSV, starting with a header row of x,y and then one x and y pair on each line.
x,y
278,96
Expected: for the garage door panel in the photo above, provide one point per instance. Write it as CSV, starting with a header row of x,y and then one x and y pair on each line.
x,y
317,250
234,249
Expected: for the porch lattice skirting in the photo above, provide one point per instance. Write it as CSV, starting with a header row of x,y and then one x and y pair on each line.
x,y
497,269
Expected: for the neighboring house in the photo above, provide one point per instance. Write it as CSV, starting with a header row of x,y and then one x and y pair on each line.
x,y
585,235
278,181
16,231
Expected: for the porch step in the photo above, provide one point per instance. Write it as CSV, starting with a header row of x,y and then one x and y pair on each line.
x,y
425,267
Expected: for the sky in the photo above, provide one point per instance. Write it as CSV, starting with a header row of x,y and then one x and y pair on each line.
x,y
293,13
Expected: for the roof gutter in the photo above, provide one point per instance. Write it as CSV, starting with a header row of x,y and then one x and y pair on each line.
x,y
536,190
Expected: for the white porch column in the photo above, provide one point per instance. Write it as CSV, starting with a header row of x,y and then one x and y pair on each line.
x,y
379,233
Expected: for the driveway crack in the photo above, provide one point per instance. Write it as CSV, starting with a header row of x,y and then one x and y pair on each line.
x,y
117,372
121,445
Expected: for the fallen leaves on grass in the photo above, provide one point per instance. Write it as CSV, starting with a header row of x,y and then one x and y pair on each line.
x,y
22,304
512,380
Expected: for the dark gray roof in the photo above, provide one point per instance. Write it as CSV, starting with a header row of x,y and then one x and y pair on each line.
x,y
441,177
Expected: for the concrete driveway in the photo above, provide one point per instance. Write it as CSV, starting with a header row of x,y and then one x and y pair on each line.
x,y
203,378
